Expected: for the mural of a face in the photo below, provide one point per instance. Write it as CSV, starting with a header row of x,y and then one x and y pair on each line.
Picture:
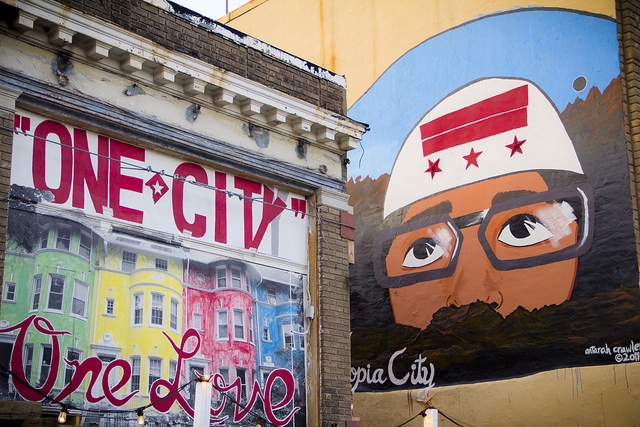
x,y
483,228
520,232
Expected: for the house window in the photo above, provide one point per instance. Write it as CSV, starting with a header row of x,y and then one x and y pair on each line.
x,y
110,307
113,374
135,373
173,369
271,296
266,334
157,309
197,321
72,354
56,292
265,377
236,280
173,318
138,302
162,264
84,249
242,374
63,238
221,277
28,360
80,297
238,325
129,260
9,291
224,373
44,237
251,329
288,336
45,363
155,370
35,296
223,325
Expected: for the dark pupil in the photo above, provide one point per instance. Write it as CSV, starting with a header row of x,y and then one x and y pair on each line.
x,y
422,247
517,225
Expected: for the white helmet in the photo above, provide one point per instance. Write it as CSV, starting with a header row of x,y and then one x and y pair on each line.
x,y
489,128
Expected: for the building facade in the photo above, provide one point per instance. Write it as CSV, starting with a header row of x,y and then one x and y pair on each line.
x,y
172,207
496,266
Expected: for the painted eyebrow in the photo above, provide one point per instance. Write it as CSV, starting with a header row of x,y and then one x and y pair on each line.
x,y
444,207
508,195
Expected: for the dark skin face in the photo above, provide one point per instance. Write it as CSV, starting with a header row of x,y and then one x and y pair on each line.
x,y
475,279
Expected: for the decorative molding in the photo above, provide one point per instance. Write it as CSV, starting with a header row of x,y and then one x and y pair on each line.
x,y
333,199
140,55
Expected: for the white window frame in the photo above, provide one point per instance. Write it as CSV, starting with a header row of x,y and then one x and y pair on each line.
x,y
135,372
28,361
222,276
251,331
238,314
42,364
69,370
129,265
44,231
197,324
110,302
222,313
174,318
243,385
138,296
237,277
77,286
36,286
266,329
59,239
287,331
155,308
173,369
48,308
84,233
224,373
6,293
162,264
150,372
274,300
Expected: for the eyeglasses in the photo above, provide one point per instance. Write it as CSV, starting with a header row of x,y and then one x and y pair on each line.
x,y
523,232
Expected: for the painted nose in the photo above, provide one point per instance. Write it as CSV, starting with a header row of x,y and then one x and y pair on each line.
x,y
475,279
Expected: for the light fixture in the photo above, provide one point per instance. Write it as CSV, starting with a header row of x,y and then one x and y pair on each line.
x,y
62,418
430,417
140,413
205,378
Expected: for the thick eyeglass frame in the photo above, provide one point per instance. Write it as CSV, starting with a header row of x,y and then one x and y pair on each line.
x,y
582,192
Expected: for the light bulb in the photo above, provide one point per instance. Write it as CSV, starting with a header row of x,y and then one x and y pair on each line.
x,y
140,418
62,418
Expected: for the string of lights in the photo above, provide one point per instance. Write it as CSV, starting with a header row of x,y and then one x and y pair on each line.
x,y
161,172
139,411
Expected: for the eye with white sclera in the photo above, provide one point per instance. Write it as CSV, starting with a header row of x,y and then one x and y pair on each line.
x,y
524,230
422,252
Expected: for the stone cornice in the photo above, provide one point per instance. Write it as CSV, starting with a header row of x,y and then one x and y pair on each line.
x,y
236,94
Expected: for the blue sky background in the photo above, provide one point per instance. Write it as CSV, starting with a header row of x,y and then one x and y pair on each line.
x,y
549,47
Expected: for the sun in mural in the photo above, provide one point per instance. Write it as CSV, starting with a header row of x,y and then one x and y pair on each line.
x,y
486,202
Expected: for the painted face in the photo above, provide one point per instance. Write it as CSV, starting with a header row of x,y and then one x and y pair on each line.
x,y
507,241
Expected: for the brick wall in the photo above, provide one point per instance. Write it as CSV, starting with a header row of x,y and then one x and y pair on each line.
x,y
6,144
628,12
335,347
176,33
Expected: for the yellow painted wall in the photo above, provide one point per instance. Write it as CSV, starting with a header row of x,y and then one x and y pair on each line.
x,y
362,38
589,396
145,340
